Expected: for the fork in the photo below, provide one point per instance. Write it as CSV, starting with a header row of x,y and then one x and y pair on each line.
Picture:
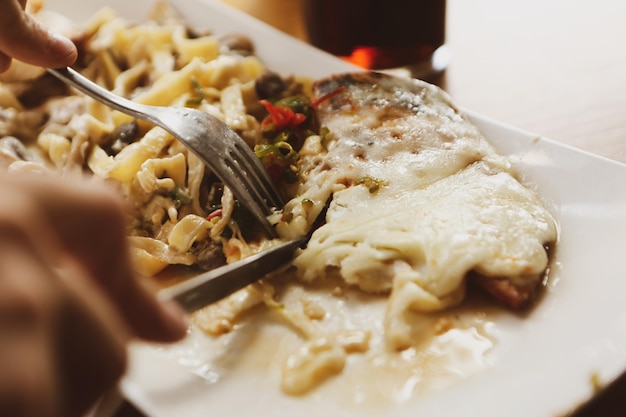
x,y
213,141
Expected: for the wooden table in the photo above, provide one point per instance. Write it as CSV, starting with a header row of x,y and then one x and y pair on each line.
x,y
553,67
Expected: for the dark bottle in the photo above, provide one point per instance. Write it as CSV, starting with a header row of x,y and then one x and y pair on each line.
x,y
376,34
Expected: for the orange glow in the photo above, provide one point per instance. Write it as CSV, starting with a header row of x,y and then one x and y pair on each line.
x,y
363,57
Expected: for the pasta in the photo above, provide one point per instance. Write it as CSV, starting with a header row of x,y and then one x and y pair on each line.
x,y
181,214
159,62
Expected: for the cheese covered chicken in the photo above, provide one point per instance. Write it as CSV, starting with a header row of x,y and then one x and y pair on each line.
x,y
420,201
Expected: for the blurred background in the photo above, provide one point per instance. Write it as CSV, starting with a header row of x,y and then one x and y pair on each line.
x,y
553,67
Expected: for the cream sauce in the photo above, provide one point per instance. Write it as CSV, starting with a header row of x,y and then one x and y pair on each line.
x,y
356,368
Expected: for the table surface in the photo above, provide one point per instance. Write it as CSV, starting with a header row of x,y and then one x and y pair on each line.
x,y
556,68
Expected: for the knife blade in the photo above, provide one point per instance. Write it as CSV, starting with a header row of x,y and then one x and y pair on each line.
x,y
219,283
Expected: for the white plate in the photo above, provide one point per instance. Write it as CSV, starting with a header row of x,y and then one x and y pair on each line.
x,y
541,365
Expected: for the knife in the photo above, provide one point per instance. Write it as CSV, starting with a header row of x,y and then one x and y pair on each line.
x,y
219,283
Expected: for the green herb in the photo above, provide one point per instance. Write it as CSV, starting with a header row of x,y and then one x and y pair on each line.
x,y
373,184
298,104
279,159
197,95
325,137
179,196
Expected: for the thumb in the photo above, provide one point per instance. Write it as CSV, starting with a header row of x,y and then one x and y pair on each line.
x,y
25,39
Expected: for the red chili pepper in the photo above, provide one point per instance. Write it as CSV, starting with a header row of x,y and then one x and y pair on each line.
x,y
328,96
214,214
281,116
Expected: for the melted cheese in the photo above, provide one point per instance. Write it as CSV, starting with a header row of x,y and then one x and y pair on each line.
x,y
443,204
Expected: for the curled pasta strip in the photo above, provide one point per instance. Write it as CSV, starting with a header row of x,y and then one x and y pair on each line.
x,y
151,256
187,231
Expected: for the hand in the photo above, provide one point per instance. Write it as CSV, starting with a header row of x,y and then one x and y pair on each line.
x,y
23,38
69,300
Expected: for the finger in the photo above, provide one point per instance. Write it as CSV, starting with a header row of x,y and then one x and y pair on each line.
x,y
90,221
69,327
27,362
5,62
55,328
96,232
153,319
91,338
23,38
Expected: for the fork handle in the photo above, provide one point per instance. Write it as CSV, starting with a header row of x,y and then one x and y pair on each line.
x,y
95,91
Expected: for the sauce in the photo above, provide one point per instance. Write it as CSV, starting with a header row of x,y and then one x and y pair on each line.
x,y
448,348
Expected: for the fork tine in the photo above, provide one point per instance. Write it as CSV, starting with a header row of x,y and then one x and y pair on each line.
x,y
230,158
259,176
248,196
228,145
243,177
